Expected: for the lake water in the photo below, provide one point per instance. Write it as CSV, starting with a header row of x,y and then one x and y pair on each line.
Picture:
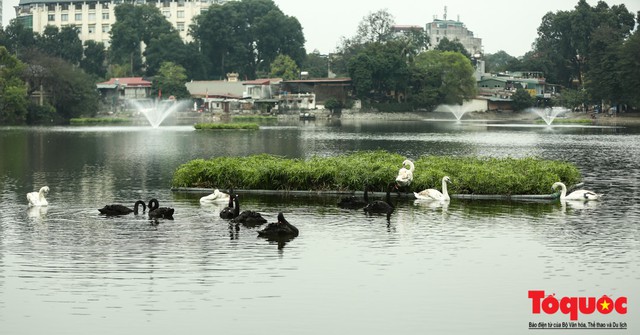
x,y
458,269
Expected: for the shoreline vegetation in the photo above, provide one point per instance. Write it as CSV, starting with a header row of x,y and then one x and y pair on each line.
x,y
377,169
221,126
100,120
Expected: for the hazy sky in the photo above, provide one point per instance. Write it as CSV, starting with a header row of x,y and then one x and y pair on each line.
x,y
509,25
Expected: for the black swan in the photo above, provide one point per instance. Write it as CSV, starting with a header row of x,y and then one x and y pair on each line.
x,y
157,212
247,217
229,212
381,207
282,228
353,202
117,209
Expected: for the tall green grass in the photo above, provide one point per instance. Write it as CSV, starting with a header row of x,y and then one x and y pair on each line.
x,y
469,175
215,126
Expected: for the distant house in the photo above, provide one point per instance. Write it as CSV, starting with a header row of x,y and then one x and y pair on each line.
x,y
217,95
116,91
322,89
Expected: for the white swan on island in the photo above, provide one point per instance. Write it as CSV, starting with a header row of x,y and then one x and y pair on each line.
x,y
575,195
405,176
216,197
37,198
433,194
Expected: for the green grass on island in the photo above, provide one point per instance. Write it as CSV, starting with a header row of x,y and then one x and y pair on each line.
x,y
253,118
469,175
99,120
216,126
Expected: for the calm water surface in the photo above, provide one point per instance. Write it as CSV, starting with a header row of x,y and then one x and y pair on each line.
x,y
459,269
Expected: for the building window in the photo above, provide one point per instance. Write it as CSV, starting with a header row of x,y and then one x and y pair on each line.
x,y
78,16
64,17
180,3
92,28
105,28
105,5
51,7
180,26
92,5
166,13
51,17
65,6
92,16
79,6
166,3
181,14
105,16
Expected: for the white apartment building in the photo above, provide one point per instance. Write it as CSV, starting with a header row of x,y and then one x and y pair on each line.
x,y
93,18
452,30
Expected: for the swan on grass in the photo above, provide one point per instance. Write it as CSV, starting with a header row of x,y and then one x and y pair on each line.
x,y
405,176
433,194
216,197
37,198
583,195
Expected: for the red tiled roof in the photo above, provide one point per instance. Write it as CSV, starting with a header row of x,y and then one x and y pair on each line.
x,y
128,81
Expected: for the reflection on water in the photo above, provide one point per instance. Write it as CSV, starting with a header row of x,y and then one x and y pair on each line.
x,y
456,267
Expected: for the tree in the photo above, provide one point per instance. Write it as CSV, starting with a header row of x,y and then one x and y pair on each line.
x,y
499,62
375,27
521,100
316,64
19,38
246,36
442,77
630,66
379,70
94,59
455,45
284,67
13,93
135,25
603,77
171,79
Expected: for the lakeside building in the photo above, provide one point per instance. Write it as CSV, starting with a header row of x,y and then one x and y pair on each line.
x,y
453,30
93,18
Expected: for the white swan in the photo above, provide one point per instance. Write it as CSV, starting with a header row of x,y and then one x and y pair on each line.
x,y
216,196
433,194
405,176
576,195
37,198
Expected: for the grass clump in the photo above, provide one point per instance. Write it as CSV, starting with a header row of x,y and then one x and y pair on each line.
x,y
469,175
217,126
100,120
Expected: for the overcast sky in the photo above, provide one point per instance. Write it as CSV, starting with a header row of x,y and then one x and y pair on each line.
x,y
509,25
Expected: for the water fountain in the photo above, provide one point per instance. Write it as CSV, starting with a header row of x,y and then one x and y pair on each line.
x,y
548,114
157,111
457,110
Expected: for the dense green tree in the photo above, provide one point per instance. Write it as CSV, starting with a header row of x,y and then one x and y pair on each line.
x,y
379,72
68,88
246,36
171,79
447,45
284,67
630,69
18,38
499,62
521,100
316,64
603,77
135,26
13,92
94,59
442,77
564,39
64,43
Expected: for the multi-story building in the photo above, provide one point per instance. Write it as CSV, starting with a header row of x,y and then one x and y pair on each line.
x,y
93,18
452,30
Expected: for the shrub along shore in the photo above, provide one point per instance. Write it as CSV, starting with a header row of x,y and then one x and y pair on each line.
x,y
215,126
377,169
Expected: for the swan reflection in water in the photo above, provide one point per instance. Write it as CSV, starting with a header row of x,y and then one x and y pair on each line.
x,y
37,213
569,204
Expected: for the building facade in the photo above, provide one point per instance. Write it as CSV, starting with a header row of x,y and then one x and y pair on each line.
x,y
452,30
93,18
